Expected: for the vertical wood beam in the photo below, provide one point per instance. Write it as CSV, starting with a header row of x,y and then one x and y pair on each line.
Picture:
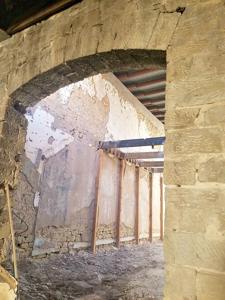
x,y
150,207
120,193
137,197
11,230
96,207
161,208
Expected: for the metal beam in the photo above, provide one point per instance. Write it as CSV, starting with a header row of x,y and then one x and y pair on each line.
x,y
143,155
155,141
151,164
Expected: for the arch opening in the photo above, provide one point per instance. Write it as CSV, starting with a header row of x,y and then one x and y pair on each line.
x,y
48,219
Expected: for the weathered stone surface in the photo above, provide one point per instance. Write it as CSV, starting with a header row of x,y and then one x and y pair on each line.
x,y
210,285
212,170
195,77
212,115
181,275
190,141
197,197
181,118
163,31
3,35
180,172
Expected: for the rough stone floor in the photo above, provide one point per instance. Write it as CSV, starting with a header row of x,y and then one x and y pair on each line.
x,y
133,272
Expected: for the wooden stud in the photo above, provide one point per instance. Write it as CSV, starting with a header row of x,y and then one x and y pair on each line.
x,y
12,230
161,208
120,193
96,208
150,207
137,221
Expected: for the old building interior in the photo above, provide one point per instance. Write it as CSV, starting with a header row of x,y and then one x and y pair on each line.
x,y
112,150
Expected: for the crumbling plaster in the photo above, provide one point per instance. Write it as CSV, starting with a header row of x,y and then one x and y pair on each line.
x,y
48,53
54,199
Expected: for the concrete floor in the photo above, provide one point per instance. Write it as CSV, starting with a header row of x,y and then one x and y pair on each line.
x,y
130,273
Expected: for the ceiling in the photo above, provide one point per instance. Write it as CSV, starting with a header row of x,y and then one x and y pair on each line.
x,y
15,15
148,86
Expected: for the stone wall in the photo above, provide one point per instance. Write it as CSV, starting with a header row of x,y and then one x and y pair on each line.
x,y
85,40
54,199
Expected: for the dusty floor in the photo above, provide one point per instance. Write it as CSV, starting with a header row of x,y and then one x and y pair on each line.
x,y
133,272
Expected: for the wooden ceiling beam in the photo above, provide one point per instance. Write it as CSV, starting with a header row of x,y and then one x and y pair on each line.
x,y
41,15
143,155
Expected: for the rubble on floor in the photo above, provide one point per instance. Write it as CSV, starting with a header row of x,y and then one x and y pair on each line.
x,y
130,273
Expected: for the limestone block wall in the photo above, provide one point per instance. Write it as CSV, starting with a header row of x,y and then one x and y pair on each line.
x,y
195,231
54,199
85,40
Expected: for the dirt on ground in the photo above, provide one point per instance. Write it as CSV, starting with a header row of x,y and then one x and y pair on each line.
x,y
130,273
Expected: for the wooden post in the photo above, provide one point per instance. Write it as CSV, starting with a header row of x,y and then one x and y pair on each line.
x,y
96,208
150,207
11,230
120,192
137,221
161,208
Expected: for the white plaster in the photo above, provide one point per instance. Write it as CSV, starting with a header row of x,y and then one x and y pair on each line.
x,y
124,121
39,131
65,93
36,199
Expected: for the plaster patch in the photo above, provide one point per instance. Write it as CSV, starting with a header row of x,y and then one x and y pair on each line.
x,y
39,131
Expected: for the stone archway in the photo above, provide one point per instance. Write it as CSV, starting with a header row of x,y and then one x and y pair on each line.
x,y
47,52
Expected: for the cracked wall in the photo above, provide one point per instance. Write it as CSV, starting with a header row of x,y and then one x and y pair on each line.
x,y
85,40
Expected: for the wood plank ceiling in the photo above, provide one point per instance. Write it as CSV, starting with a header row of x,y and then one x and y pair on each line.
x,y
16,15
148,86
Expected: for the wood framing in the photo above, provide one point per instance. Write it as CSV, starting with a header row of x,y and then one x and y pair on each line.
x,y
132,143
157,170
150,207
96,208
137,197
151,164
11,230
161,208
143,155
120,193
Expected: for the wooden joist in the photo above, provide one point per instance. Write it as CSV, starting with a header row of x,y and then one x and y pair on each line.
x,y
151,164
96,208
137,197
132,143
156,170
120,193
143,155
40,15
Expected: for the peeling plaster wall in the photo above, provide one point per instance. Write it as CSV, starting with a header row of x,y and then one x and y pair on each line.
x,y
88,39
54,210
